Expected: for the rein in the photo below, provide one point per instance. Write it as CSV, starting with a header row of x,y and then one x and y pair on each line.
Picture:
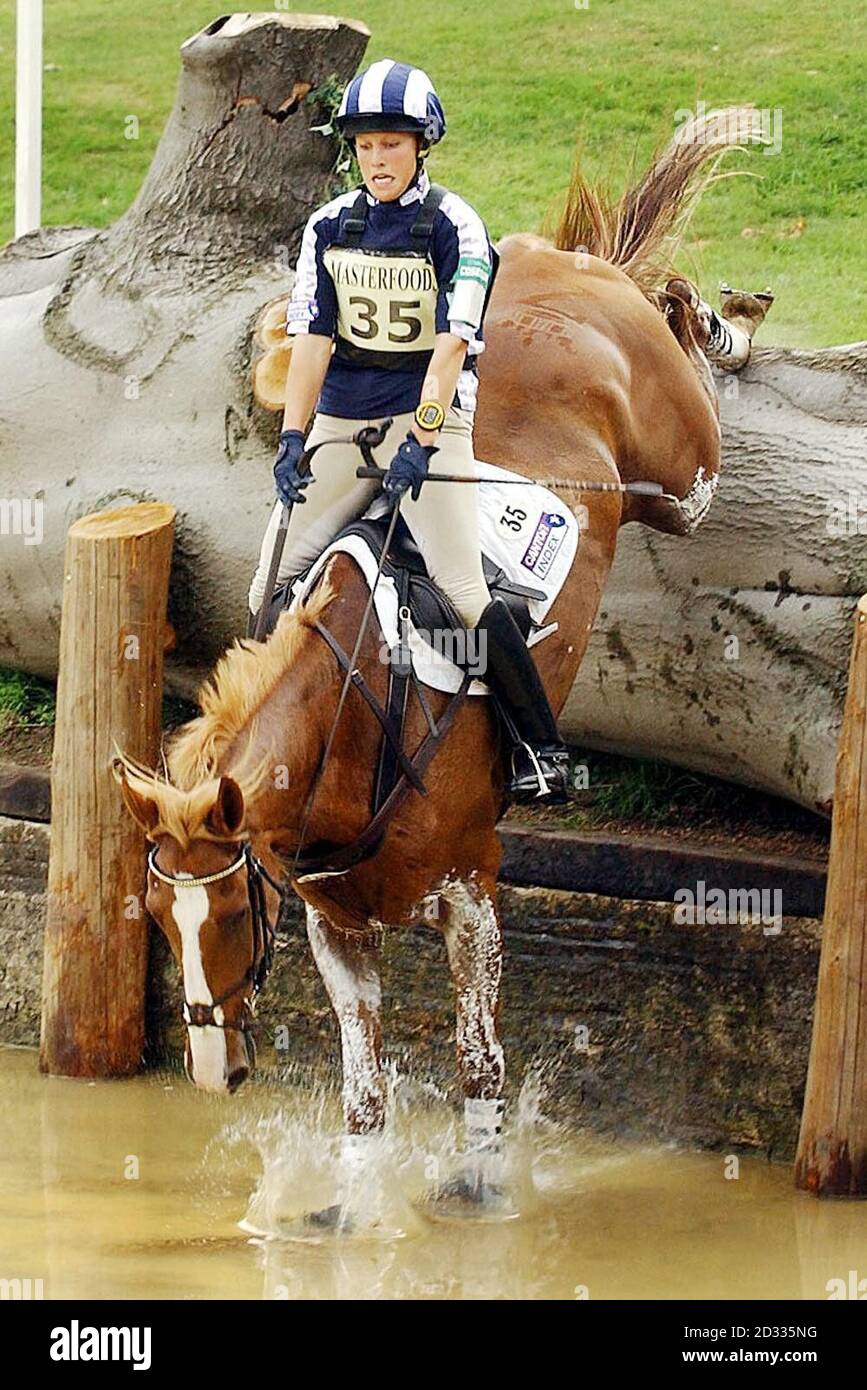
x,y
341,858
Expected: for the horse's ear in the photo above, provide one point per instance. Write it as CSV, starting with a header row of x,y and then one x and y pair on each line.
x,y
143,809
226,816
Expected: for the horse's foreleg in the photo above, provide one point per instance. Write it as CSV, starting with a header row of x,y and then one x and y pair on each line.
x,y
474,944
350,973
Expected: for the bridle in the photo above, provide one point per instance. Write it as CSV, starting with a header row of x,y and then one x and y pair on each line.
x,y
264,935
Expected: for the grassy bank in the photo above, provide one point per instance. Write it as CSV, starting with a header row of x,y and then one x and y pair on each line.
x,y
522,84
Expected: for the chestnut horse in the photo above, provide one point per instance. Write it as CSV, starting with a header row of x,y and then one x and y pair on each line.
x,y
591,373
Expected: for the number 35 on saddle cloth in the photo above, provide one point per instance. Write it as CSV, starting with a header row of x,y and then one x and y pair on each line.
x,y
529,538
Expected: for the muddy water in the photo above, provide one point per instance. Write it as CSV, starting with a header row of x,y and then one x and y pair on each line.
x,y
135,1189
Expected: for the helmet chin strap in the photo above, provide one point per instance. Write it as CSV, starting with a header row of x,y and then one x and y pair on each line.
x,y
420,162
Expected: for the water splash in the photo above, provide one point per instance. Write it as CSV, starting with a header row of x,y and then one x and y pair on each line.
x,y
308,1190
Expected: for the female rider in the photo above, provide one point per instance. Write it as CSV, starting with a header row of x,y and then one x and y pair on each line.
x,y
390,292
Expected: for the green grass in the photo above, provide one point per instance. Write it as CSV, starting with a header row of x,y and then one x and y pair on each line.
x,y
522,84
615,790
642,790
25,701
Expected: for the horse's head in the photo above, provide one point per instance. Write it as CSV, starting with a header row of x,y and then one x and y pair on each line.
x,y
208,894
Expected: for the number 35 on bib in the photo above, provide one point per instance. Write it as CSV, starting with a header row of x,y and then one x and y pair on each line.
x,y
386,305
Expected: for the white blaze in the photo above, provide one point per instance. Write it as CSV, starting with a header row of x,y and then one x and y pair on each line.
x,y
207,1045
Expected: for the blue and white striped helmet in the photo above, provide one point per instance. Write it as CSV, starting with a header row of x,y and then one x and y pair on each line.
x,y
392,96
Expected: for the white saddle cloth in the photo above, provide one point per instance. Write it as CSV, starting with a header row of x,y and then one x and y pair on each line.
x,y
526,531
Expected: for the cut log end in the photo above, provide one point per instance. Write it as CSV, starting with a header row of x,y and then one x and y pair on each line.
x,y
232,26
139,519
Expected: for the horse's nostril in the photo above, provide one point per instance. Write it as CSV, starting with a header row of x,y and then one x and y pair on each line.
x,y
238,1076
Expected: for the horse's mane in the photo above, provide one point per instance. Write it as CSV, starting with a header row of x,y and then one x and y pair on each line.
x,y
242,679
642,231
229,700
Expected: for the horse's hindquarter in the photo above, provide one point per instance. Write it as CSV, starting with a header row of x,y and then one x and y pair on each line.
x,y
554,402
577,353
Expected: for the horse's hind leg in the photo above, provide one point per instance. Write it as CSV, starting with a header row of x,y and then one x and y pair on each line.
x,y
350,972
474,943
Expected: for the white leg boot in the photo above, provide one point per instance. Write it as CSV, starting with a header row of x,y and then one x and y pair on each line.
x,y
731,334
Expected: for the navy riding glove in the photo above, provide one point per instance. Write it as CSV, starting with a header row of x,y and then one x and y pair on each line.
x,y
408,468
289,481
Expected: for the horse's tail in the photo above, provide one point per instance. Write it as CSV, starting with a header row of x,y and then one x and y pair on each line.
x,y
642,231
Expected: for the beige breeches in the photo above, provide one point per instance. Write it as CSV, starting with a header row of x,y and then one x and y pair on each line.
x,y
444,521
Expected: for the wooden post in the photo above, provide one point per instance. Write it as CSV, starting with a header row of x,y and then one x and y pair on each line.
x,y
832,1146
109,688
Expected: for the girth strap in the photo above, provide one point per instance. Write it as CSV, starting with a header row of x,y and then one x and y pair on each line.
x,y
390,730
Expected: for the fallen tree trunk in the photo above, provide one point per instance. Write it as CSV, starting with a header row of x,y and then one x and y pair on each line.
x,y
727,651
147,327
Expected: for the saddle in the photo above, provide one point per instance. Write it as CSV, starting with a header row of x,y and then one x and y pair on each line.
x,y
430,608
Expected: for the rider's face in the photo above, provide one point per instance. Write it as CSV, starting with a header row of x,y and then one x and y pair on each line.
x,y
387,162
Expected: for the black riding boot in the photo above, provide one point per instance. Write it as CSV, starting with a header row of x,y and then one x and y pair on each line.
x,y
540,761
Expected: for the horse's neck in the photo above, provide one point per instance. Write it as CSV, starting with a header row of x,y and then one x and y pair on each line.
x,y
294,724
287,733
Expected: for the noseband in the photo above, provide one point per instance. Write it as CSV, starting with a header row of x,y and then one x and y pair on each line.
x,y
205,1015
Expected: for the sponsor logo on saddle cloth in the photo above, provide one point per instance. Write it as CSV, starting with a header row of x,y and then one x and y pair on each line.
x,y
525,531
386,301
547,538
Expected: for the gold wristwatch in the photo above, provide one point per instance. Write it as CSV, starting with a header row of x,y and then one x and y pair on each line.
x,y
430,415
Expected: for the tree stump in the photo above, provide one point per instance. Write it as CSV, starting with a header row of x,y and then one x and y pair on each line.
x,y
832,1148
148,326
109,690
